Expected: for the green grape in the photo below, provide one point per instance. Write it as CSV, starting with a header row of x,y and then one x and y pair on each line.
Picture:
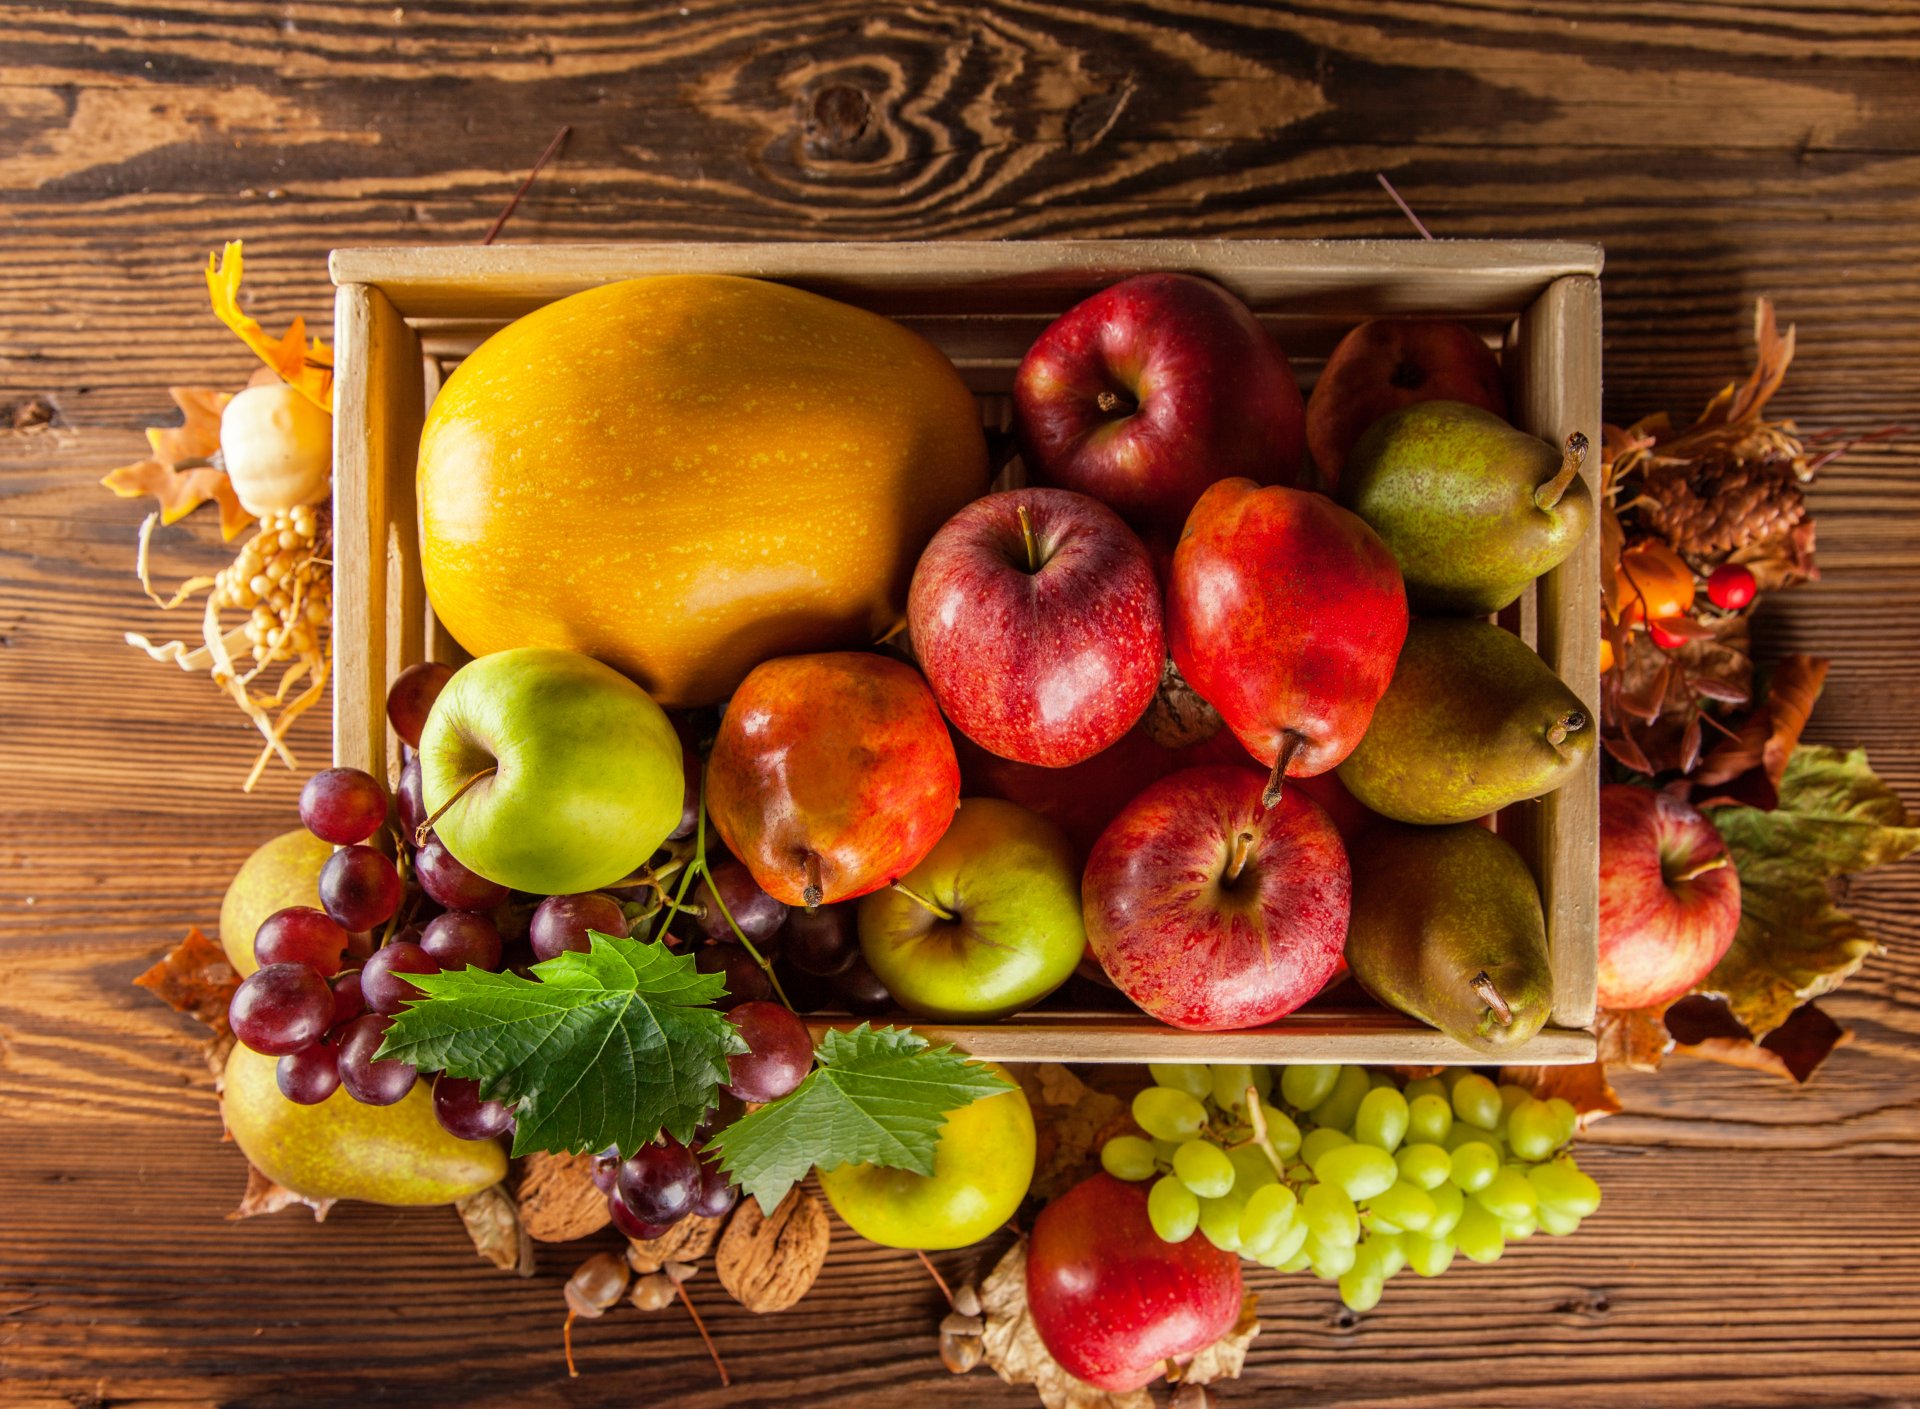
x,y
1167,1114
1289,1254
1475,1100
1532,1131
1513,1096
1190,1077
1429,1116
1282,1133
1566,1120
1557,1221
1508,1195
1269,1214
1299,1262
1251,1168
1298,1173
1427,1255
1426,1086
1451,1077
1320,1140
1304,1087
1220,1222
1338,1110
1172,1209
1263,1082
1360,1170
1474,1167
1390,1252
1378,1223
1565,1186
1382,1118
1479,1237
1423,1166
1361,1289
1448,1203
1377,1078
1405,1206
1128,1157
1163,1150
1330,1215
1203,1168
1520,1229
1330,1262
1230,1083
1464,1134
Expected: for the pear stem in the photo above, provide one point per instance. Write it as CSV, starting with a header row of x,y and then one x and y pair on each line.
x,y
1548,494
939,912
1026,532
1572,722
1712,863
1482,985
420,832
1242,845
814,892
1290,744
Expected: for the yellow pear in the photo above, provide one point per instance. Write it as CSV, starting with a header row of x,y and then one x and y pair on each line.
x,y
340,1149
281,872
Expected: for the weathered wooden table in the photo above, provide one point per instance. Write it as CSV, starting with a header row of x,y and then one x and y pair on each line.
x,y
1759,1244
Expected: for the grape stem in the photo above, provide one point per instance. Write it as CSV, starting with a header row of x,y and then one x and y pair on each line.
x,y
699,864
420,832
1261,1140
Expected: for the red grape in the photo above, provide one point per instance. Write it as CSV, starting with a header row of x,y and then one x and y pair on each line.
x,y
629,1222
461,1112
562,921
690,771
301,934
725,1110
382,978
309,1076
461,939
410,700
343,805
280,1009
822,942
717,1194
757,914
746,980
860,989
606,1165
370,1082
360,887
449,883
659,1182
348,1001
410,800
779,1052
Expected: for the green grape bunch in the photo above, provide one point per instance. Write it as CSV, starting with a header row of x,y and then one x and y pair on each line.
x,y
1340,1171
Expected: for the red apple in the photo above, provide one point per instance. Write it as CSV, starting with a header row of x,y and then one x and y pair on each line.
x,y
1036,618
1389,363
1669,897
1111,1301
1212,911
1151,390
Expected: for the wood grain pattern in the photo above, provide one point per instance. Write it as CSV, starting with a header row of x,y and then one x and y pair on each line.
x,y
1758,1245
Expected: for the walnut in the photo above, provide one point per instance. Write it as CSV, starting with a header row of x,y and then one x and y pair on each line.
x,y
768,1263
559,1200
688,1240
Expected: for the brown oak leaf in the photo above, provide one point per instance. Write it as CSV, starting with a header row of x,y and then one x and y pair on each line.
x,y
493,1222
1704,1026
1747,768
263,1195
1633,1038
1068,1118
194,977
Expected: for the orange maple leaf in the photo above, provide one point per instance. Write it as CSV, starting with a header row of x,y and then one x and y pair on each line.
x,y
306,366
198,436
180,492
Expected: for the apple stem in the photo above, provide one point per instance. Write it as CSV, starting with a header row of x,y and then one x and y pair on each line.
x,y
1290,744
420,832
1026,532
1242,847
1713,863
1548,494
680,1288
1572,722
934,1272
938,911
1482,985
814,892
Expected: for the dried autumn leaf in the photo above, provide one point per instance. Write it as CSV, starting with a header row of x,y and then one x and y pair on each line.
x,y
1766,741
558,1200
493,1223
197,437
180,492
1633,1038
1177,717
194,977
1068,1116
307,367
1835,817
1585,1086
1226,1357
1017,1354
1705,1027
263,1195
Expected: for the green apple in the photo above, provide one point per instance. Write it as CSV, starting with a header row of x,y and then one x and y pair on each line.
x,y
280,873
981,1169
578,771
988,924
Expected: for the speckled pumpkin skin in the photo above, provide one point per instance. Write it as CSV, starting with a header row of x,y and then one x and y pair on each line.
x,y
684,475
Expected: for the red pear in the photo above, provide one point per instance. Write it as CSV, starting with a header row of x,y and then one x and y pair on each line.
x,y
832,775
1286,613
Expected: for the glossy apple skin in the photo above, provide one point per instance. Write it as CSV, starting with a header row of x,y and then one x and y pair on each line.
x,y
1286,613
1045,664
1194,948
1204,393
843,755
1660,935
1111,1301
1388,363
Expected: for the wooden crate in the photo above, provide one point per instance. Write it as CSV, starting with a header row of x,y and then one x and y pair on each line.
x,y
404,315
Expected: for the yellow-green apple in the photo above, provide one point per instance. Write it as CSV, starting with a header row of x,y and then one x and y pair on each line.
x,y
1114,1303
557,773
1388,363
1213,911
982,1166
831,775
987,924
1669,897
1152,389
1036,617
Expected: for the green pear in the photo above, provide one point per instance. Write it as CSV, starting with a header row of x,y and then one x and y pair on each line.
x,y
1472,720
1447,927
1473,509
282,872
340,1149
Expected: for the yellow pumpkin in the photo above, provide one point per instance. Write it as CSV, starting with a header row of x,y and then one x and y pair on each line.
x,y
685,475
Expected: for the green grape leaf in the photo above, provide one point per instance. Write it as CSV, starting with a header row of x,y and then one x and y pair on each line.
x,y
604,1048
878,1096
